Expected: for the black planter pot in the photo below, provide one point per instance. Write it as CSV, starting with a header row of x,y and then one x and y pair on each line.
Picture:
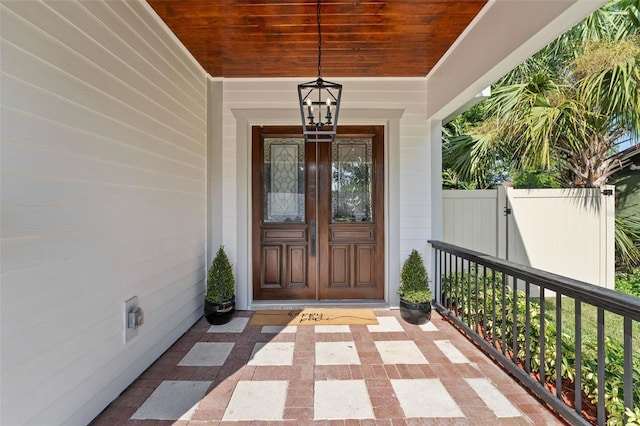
x,y
415,313
219,313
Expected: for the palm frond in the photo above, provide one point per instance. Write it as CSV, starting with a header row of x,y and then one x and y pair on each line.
x,y
470,156
610,82
627,240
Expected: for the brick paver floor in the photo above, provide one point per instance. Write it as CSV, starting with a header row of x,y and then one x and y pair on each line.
x,y
393,373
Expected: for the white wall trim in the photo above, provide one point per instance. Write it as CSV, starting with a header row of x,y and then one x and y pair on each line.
x,y
215,99
248,117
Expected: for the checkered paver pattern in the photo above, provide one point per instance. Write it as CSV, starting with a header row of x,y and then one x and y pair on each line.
x,y
392,373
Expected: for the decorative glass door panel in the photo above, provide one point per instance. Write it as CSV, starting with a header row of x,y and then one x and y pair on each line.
x,y
283,172
318,230
351,180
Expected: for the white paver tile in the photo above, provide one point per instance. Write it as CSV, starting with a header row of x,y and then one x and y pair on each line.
x,y
451,352
236,325
495,400
259,400
386,324
425,398
332,329
429,326
207,354
336,353
272,353
172,400
400,352
277,329
342,399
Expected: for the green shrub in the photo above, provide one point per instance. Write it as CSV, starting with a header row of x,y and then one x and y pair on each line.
x,y
537,179
220,281
414,281
629,282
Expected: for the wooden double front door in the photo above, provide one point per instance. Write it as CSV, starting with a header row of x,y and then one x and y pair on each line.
x,y
318,215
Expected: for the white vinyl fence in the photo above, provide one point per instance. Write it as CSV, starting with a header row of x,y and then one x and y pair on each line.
x,y
569,232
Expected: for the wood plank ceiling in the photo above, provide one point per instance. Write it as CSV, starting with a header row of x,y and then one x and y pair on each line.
x,y
279,38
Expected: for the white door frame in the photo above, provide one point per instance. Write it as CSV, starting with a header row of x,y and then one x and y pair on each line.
x,y
245,119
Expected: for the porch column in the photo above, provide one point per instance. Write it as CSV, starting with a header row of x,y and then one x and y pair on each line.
x,y
436,179
436,190
214,167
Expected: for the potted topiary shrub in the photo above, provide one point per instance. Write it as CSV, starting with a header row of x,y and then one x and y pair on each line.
x,y
414,292
219,299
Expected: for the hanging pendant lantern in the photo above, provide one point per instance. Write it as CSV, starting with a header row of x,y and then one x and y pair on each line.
x,y
319,103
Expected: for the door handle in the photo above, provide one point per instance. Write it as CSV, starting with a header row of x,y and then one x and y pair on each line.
x,y
312,237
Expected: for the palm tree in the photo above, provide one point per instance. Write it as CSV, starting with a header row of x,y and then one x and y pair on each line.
x,y
566,106
575,121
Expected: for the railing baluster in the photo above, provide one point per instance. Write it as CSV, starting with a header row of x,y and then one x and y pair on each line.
x,y
484,301
527,327
437,274
504,314
558,345
542,335
449,289
493,308
477,300
463,299
455,277
515,320
578,349
468,284
601,371
628,365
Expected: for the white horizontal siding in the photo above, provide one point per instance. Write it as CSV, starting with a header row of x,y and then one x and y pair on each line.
x,y
103,197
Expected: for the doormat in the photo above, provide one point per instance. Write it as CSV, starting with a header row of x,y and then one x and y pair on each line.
x,y
314,316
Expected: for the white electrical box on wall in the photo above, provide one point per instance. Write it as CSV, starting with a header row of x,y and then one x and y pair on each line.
x,y
133,318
